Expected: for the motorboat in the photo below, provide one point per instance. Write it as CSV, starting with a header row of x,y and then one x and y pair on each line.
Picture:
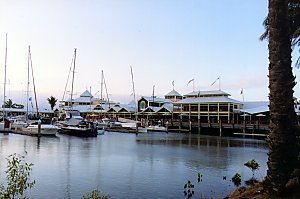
x,y
45,129
157,128
82,129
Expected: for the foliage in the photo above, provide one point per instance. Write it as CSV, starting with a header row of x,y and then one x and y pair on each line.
x,y
17,176
7,104
95,194
294,19
10,104
52,101
188,189
236,179
253,165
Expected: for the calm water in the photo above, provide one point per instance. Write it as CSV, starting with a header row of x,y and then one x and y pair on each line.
x,y
153,165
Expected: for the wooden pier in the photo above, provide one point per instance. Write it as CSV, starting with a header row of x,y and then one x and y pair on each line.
x,y
257,130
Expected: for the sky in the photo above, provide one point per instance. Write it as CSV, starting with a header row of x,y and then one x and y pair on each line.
x,y
162,40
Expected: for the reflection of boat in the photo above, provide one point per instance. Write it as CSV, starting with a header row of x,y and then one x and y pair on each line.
x,y
100,131
157,128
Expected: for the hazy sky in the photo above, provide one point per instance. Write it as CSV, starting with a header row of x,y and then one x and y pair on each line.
x,y
163,41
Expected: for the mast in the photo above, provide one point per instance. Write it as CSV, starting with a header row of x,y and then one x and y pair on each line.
x,y
27,92
106,91
36,104
136,110
153,95
73,79
4,90
101,90
70,70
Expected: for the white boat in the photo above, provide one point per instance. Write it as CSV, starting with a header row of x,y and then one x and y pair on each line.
x,y
46,129
19,122
157,128
5,125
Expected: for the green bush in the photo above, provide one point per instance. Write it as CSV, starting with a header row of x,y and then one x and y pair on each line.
x,y
95,194
17,177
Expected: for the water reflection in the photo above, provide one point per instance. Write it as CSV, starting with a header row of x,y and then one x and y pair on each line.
x,y
151,165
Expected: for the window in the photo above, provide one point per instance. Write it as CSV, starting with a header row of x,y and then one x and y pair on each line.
x,y
142,105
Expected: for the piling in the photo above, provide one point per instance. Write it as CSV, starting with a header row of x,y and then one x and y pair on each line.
x,y
39,128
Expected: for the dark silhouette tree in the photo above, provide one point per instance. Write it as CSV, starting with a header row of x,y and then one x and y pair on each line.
x,y
282,156
8,104
52,101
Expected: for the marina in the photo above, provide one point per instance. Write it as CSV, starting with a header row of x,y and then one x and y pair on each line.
x,y
147,165
211,112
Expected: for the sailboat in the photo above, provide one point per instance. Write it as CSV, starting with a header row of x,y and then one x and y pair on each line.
x,y
5,124
101,125
137,126
41,126
73,126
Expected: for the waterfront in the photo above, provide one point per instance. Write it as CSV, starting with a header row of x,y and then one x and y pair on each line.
x,y
150,165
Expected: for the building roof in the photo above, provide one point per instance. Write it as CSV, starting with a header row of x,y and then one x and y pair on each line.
x,y
256,110
86,93
219,99
205,93
90,108
173,93
153,108
254,104
156,99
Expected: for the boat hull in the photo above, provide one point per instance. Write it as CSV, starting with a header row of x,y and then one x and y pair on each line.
x,y
46,130
79,132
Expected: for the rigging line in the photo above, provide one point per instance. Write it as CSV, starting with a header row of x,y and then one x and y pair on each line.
x,y
106,90
73,79
4,90
37,108
101,91
68,77
27,94
135,103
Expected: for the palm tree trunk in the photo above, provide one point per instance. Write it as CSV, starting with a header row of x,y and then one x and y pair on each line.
x,y
282,155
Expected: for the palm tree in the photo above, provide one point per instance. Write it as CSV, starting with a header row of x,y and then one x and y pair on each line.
x,y
8,104
294,20
52,101
282,157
